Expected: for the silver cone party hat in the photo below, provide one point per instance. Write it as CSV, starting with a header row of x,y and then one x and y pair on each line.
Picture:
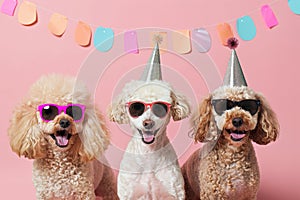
x,y
234,74
153,71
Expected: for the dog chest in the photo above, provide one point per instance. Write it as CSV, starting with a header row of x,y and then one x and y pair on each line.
x,y
229,176
61,179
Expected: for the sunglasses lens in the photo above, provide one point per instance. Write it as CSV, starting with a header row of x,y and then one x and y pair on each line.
x,y
160,109
49,112
220,106
75,112
250,106
136,109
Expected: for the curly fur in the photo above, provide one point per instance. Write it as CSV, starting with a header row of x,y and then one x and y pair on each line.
x,y
63,173
149,171
223,168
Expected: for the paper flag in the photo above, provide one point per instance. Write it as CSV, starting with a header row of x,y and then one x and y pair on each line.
x,y
8,7
269,17
246,28
83,34
131,42
181,41
27,14
161,38
225,32
201,40
103,39
58,24
294,6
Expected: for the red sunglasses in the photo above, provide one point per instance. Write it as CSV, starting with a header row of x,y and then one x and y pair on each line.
x,y
49,111
137,108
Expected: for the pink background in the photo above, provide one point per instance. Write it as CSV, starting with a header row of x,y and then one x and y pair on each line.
x,y
269,62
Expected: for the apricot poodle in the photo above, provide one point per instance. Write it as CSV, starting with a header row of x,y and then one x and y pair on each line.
x,y
226,166
58,126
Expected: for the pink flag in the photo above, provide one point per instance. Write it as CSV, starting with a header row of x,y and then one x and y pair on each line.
x,y
8,7
130,42
269,17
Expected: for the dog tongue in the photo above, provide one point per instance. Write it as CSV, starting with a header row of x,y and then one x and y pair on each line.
x,y
62,140
237,136
148,137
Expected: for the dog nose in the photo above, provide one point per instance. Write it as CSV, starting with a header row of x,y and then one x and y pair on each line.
x,y
148,124
237,122
64,123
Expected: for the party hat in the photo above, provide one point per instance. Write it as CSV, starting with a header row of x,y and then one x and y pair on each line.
x,y
234,74
153,70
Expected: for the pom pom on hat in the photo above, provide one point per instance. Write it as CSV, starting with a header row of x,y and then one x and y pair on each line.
x,y
232,43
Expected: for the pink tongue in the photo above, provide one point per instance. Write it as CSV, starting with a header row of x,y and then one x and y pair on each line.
x,y
237,136
148,137
62,140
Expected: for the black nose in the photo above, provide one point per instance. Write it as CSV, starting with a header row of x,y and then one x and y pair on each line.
x,y
64,123
237,122
148,124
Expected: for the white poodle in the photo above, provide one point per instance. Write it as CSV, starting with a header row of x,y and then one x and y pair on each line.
x,y
149,169
58,126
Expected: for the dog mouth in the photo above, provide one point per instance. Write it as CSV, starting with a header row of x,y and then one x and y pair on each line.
x,y
61,138
237,135
148,137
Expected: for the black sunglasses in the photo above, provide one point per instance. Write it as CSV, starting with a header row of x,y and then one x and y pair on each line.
x,y
221,105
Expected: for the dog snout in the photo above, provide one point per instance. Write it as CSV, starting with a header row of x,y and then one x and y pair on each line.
x,y
64,123
148,124
237,122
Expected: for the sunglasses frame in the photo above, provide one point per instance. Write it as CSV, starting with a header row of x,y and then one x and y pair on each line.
x,y
149,106
235,104
60,109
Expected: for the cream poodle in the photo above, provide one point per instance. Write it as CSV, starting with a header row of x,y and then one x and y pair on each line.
x,y
58,126
226,167
149,169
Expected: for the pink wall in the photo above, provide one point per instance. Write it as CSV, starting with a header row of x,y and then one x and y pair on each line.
x,y
269,63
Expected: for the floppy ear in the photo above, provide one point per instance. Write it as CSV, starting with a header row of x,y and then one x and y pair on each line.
x,y
267,126
180,106
26,139
204,125
117,111
94,137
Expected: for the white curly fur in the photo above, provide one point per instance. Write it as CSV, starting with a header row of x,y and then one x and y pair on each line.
x,y
225,168
149,171
72,172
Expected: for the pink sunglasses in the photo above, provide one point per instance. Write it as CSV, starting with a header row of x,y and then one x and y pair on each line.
x,y
137,108
49,111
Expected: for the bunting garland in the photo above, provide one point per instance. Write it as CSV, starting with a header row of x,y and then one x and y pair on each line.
x,y
181,41
294,6
225,32
83,34
8,7
246,28
201,40
103,38
269,16
27,14
131,42
57,24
